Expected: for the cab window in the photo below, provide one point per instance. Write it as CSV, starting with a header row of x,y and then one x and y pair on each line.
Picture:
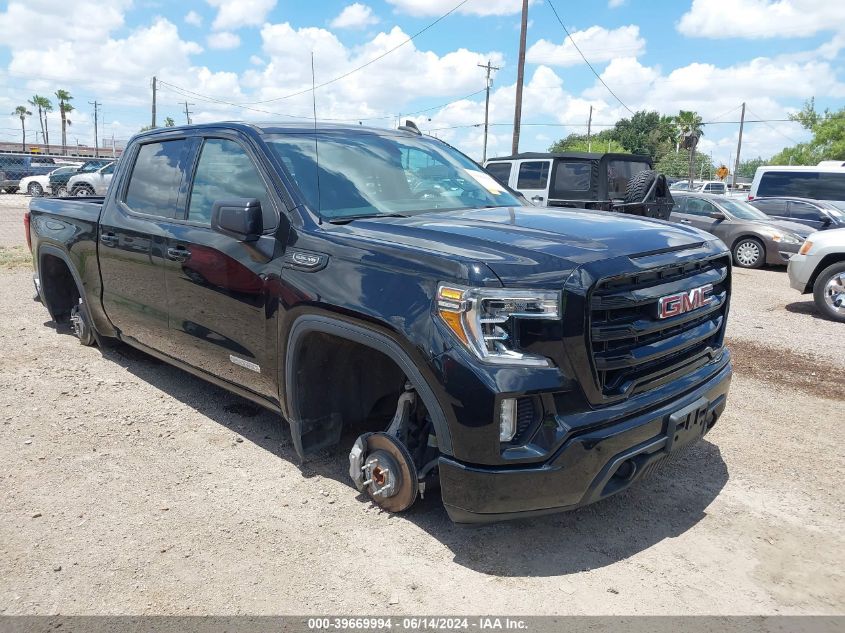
x,y
226,171
156,178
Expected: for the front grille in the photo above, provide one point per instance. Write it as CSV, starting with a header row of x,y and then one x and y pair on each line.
x,y
632,348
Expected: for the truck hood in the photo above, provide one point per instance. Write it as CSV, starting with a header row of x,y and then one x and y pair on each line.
x,y
530,245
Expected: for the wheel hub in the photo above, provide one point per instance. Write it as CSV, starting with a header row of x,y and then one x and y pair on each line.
x,y
748,253
388,473
834,293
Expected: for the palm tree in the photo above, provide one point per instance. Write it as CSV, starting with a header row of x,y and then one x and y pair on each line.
x,y
691,128
22,112
65,106
37,101
169,122
48,107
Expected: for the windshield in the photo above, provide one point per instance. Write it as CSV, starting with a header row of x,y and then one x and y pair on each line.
x,y
742,210
364,175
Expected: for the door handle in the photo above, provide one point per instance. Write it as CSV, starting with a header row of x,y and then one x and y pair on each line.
x,y
109,239
178,253
685,222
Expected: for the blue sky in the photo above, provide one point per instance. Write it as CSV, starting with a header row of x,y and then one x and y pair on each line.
x,y
702,54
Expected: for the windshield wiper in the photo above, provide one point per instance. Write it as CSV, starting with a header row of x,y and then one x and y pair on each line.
x,y
365,216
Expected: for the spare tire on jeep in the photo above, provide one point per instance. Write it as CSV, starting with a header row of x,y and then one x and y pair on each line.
x,y
649,189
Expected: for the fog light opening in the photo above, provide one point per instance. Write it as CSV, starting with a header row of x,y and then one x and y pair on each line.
x,y
507,420
626,470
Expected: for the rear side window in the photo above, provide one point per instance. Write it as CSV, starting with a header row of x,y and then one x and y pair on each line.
x,y
697,206
572,176
770,207
226,171
715,187
533,175
156,178
500,171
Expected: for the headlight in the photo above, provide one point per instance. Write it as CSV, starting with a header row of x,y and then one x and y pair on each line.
x,y
483,319
805,248
789,238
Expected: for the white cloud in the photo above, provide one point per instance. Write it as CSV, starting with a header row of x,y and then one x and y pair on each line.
x,y
755,19
474,7
82,21
615,4
354,16
598,44
255,60
224,40
233,14
382,88
193,18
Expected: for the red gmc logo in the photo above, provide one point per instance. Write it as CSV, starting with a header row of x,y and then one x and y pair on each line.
x,y
673,305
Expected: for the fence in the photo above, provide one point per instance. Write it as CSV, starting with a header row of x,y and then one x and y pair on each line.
x,y
38,174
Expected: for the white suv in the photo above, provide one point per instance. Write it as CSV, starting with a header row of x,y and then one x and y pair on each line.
x,y
707,186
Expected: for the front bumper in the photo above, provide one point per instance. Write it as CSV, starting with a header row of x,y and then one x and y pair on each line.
x,y
800,269
780,253
589,466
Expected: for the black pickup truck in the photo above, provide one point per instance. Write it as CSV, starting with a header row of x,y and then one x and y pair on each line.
x,y
353,280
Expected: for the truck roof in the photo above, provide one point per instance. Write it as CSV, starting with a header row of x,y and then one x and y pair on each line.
x,y
284,127
577,155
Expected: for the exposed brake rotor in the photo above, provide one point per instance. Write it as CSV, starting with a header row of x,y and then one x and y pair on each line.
x,y
387,471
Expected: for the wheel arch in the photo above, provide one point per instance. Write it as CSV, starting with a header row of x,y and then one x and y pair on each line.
x,y
46,275
827,260
363,335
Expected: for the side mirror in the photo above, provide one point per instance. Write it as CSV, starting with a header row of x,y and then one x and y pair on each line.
x,y
240,218
717,215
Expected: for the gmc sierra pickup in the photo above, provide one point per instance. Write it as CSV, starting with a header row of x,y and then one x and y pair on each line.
x,y
528,360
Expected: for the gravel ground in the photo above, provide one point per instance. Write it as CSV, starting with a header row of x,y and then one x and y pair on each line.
x,y
130,487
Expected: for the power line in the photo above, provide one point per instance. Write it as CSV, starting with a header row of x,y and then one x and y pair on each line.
x,y
789,138
571,39
373,60
183,92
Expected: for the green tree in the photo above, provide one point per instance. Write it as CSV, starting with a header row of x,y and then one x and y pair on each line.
x,y
602,142
748,167
801,154
645,133
65,106
828,130
676,165
169,122
44,106
21,112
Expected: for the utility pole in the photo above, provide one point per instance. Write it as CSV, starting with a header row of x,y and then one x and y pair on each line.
x,y
589,128
188,112
489,68
739,143
520,77
154,102
96,138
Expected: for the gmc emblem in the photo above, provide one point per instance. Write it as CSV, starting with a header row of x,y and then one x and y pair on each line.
x,y
673,305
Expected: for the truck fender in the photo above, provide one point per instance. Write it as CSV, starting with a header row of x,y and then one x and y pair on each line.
x,y
308,324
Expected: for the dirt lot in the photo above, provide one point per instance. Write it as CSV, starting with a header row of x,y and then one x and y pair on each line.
x,y
130,487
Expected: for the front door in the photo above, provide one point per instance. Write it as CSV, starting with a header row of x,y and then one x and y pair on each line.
x,y
808,214
133,235
697,212
221,319
532,180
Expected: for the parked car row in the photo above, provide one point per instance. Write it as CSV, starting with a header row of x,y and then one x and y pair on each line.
x,y
14,168
42,175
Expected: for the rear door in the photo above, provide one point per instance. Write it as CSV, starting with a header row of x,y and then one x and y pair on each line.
x,y
775,208
133,239
532,180
102,178
217,300
806,213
